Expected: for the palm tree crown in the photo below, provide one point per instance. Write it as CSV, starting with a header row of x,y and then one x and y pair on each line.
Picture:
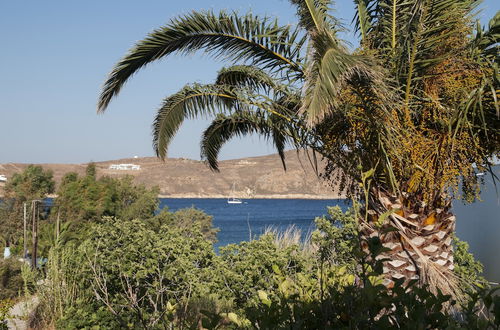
x,y
420,76
407,114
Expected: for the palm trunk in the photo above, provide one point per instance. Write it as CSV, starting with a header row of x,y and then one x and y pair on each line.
x,y
421,247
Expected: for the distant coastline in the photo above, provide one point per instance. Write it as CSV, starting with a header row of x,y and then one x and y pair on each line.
x,y
256,177
258,196
273,196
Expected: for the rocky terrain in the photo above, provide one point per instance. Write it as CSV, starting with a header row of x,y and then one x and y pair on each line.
x,y
256,177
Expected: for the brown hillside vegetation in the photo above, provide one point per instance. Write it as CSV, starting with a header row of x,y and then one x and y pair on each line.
x,y
255,177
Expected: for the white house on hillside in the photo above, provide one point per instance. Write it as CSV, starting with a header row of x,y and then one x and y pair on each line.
x,y
125,167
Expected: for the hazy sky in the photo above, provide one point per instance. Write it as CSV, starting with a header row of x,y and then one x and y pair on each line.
x,y
55,55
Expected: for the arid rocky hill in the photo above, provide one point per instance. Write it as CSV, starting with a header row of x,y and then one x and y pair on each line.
x,y
256,177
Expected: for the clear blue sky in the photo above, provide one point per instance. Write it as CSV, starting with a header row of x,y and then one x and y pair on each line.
x,y
55,55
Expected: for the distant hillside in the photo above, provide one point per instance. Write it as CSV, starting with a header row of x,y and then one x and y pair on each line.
x,y
256,177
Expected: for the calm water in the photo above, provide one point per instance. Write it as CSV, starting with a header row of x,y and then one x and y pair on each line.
x,y
237,222
477,223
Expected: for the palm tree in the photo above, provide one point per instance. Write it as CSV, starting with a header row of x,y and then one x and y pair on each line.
x,y
404,117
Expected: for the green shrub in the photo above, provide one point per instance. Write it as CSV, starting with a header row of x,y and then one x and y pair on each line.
x,y
31,184
133,276
250,266
11,281
5,306
185,220
163,273
89,199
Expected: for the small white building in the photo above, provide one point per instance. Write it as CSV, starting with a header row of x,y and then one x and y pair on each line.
x,y
125,167
3,178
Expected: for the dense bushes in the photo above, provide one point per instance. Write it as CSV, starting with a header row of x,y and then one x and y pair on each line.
x,y
11,281
128,274
32,184
186,220
155,273
80,200
113,263
5,306
87,198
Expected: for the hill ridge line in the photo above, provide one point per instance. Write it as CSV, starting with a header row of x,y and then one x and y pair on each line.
x,y
254,177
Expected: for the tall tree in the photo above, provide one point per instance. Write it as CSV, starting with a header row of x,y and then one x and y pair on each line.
x,y
406,116
32,184
86,198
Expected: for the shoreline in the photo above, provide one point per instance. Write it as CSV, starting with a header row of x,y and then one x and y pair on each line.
x,y
256,196
260,177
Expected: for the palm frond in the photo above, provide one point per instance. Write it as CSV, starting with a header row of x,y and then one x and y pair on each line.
x,y
332,70
208,100
362,19
249,38
439,23
486,42
280,140
313,15
251,77
190,102
242,123
485,49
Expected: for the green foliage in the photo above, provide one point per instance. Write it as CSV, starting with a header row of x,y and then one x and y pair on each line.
x,y
248,267
483,302
64,293
5,305
188,220
80,200
353,307
91,171
130,274
162,272
467,268
89,316
50,235
337,237
69,177
10,226
88,198
33,183
11,281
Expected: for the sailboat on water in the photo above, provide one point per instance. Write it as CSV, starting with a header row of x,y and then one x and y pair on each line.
x,y
231,199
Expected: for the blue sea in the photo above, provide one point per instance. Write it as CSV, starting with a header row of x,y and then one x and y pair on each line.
x,y
477,223
240,222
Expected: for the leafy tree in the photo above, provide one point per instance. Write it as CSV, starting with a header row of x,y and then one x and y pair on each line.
x,y
137,277
69,177
83,200
87,198
186,220
399,121
11,282
91,170
134,201
127,273
34,183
